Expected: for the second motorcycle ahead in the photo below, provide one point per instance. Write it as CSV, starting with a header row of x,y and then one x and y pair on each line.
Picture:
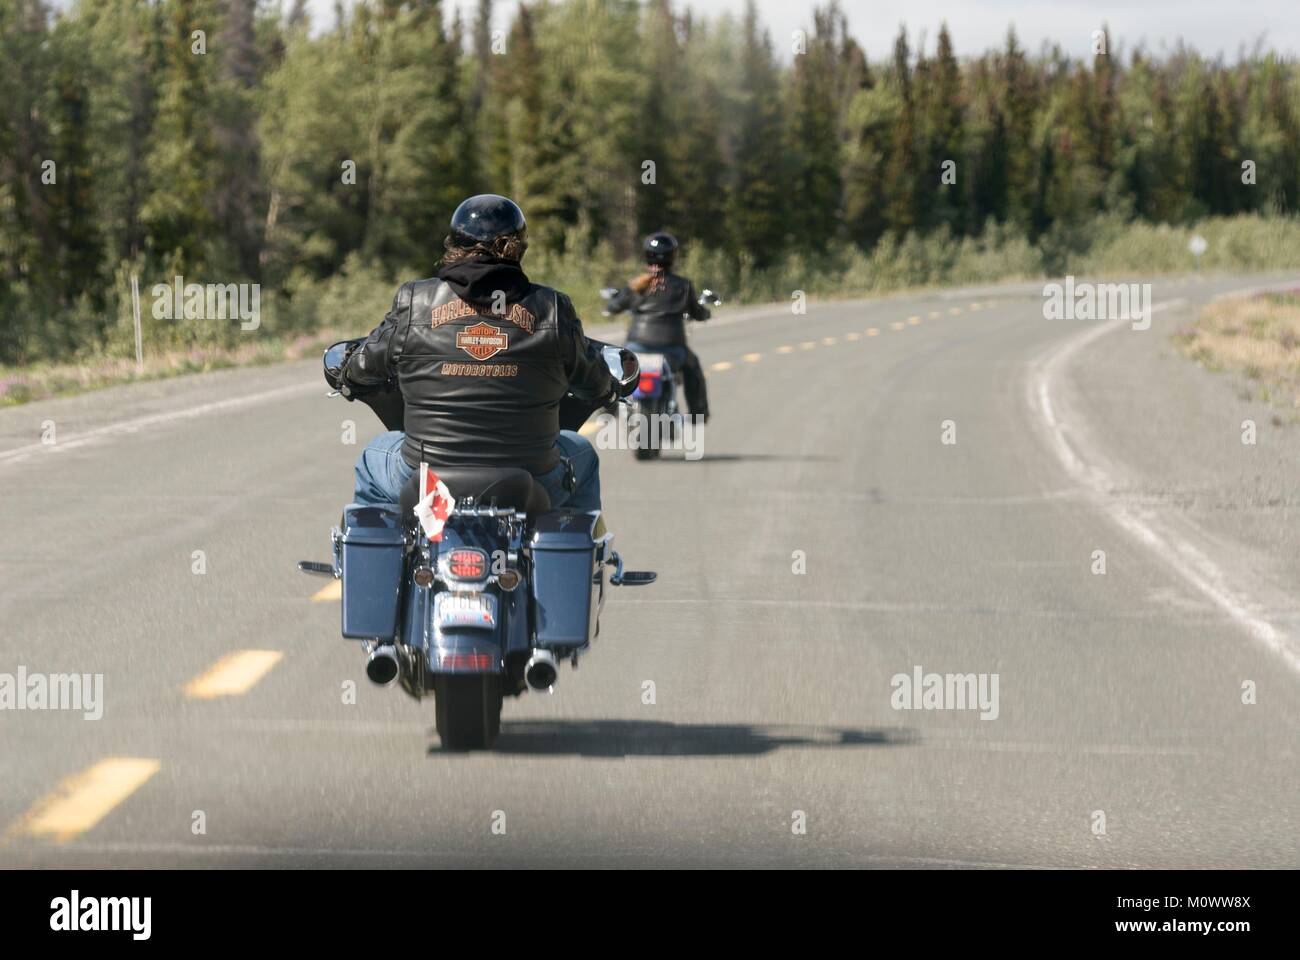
x,y
655,397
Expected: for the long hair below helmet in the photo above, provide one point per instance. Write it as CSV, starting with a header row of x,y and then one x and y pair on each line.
x,y
653,280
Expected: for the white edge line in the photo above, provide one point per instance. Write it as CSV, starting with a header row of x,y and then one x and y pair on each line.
x,y
1181,555
139,423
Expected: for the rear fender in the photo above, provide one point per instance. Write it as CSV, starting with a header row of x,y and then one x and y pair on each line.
x,y
459,649
656,374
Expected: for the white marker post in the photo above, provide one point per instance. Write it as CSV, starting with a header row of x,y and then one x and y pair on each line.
x,y
1197,245
139,339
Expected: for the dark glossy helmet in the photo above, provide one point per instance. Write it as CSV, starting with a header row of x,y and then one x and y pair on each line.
x,y
484,218
660,248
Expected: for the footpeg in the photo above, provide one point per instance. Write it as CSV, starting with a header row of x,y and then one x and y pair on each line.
x,y
319,569
634,578
628,578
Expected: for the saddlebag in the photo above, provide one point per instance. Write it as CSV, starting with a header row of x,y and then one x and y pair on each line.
x,y
371,545
566,571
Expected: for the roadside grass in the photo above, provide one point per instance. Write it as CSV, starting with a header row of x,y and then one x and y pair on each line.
x,y
42,381
306,314
1257,337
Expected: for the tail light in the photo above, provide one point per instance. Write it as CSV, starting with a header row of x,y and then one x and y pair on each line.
x,y
466,661
649,383
464,563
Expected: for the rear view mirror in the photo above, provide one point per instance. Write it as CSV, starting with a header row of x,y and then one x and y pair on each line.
x,y
709,299
608,292
623,367
333,361
337,353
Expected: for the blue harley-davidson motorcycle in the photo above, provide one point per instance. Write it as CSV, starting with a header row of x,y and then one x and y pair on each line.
x,y
512,588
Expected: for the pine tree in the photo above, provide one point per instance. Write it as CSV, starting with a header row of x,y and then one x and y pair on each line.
x,y
659,130
944,137
183,177
1017,108
24,137
902,196
238,199
74,226
757,206
814,138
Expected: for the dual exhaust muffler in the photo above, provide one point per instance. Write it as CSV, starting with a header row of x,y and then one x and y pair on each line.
x,y
384,668
542,670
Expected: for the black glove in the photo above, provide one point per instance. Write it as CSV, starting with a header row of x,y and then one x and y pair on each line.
x,y
346,388
337,378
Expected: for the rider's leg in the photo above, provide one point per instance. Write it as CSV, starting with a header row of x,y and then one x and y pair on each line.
x,y
697,394
586,472
381,472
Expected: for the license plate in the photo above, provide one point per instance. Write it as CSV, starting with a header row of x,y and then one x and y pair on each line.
x,y
650,362
466,610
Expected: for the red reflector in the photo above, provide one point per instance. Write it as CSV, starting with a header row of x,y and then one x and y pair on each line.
x,y
466,661
467,564
648,383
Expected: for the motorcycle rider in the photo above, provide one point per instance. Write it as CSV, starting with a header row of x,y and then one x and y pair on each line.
x,y
658,299
482,357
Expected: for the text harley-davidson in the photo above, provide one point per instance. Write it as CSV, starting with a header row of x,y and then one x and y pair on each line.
x,y
504,591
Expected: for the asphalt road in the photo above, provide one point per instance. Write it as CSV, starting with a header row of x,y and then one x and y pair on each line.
x,y
1120,739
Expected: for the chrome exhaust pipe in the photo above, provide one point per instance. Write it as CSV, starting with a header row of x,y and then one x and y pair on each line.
x,y
383,668
542,670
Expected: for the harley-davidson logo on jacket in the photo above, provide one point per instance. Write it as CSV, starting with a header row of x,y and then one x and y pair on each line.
x,y
482,341
457,308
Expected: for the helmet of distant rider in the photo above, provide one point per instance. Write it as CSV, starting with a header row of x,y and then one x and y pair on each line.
x,y
660,248
484,219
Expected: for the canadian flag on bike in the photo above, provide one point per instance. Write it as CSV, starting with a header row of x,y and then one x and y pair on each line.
x,y
435,503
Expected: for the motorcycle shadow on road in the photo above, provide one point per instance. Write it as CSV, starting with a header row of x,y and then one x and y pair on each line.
x,y
751,458
659,738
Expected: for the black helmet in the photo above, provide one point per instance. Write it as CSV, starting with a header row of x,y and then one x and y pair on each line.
x,y
659,248
483,218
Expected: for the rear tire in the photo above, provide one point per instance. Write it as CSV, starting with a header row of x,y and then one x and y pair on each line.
x,y
649,411
468,710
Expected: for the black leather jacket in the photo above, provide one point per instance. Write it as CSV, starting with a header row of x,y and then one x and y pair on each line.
x,y
658,317
482,388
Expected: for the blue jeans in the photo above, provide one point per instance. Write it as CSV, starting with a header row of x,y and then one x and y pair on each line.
x,y
381,472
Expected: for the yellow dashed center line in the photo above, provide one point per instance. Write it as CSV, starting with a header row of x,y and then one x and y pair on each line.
x,y
853,336
954,311
233,674
809,345
829,341
913,320
872,332
977,306
785,348
752,357
721,365
81,801
331,591
897,325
